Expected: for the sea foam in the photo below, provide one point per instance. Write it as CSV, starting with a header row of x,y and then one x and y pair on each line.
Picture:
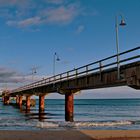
x,y
81,124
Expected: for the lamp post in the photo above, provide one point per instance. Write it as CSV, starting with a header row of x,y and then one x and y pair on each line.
x,y
122,23
34,71
55,58
5,85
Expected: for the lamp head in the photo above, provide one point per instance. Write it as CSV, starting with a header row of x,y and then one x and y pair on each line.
x,y
58,59
35,71
122,22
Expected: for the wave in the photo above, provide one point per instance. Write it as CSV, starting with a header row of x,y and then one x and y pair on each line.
x,y
14,124
82,124
47,125
98,124
66,125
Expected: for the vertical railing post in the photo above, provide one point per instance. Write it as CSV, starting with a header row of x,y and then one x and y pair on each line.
x,y
54,78
48,80
67,79
87,70
60,77
100,66
67,75
76,72
87,75
53,81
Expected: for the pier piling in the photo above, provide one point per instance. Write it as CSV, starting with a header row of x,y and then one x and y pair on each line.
x,y
28,103
17,100
41,103
6,100
69,108
20,101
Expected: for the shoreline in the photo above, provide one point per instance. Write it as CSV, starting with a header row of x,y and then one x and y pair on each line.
x,y
70,135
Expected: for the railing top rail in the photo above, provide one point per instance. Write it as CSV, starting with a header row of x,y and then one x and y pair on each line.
x,y
107,58
76,69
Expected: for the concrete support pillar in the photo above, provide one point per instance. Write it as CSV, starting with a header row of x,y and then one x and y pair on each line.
x,y
20,101
17,100
41,103
6,100
28,103
69,107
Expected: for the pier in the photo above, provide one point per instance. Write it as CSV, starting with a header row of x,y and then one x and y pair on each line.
x,y
99,74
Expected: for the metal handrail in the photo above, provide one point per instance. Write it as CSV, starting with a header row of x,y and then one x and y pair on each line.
x,y
75,72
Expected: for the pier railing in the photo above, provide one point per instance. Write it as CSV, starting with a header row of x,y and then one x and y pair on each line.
x,y
126,57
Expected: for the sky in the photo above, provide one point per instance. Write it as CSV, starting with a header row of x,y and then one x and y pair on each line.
x,y
79,31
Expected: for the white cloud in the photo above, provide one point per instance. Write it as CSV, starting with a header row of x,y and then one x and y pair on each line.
x,y
11,79
60,15
80,29
30,13
8,75
25,22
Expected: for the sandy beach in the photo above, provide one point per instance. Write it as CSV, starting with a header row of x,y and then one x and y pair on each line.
x,y
71,135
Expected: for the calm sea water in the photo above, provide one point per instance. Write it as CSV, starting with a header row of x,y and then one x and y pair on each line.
x,y
88,114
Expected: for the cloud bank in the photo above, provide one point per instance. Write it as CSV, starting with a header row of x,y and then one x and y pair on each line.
x,y
27,13
10,78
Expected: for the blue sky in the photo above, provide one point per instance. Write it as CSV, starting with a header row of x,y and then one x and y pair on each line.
x,y
80,31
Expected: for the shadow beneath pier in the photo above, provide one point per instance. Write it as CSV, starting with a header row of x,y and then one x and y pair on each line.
x,y
31,113
38,116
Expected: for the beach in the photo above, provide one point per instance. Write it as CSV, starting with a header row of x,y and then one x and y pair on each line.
x,y
71,135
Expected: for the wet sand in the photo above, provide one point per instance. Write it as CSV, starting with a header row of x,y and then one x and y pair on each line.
x,y
71,135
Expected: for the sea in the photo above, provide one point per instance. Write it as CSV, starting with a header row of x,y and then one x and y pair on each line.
x,y
89,114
